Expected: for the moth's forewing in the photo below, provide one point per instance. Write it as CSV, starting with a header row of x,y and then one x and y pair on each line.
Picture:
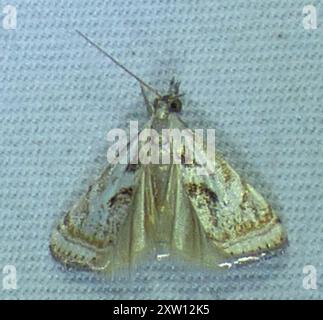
x,y
87,234
91,226
237,222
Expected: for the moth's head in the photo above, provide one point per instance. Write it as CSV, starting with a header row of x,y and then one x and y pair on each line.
x,y
168,103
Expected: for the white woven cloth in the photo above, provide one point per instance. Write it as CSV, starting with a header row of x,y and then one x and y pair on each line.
x,y
248,69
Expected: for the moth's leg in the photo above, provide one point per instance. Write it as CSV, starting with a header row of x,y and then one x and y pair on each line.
x,y
149,106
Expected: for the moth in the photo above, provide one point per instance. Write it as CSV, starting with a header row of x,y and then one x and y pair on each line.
x,y
134,211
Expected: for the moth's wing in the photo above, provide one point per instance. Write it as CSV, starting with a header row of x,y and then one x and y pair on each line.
x,y
92,224
135,239
88,235
237,222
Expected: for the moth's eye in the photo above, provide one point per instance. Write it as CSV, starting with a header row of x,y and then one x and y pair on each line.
x,y
175,106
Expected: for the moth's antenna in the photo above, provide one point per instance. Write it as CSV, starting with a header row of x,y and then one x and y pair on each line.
x,y
118,63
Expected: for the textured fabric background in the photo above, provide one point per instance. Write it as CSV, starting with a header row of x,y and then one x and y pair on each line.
x,y
248,69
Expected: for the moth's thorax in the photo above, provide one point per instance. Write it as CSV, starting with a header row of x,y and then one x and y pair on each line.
x,y
159,124
162,111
